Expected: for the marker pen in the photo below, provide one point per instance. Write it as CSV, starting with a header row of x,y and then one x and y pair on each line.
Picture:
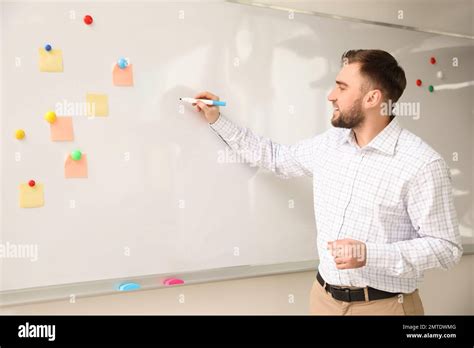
x,y
205,101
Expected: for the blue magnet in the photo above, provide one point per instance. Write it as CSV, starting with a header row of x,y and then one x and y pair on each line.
x,y
48,47
129,287
122,63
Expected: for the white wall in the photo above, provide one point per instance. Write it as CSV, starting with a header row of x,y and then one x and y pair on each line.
x,y
453,16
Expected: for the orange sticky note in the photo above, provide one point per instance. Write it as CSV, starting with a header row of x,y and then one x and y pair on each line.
x,y
123,77
61,129
75,169
31,197
51,61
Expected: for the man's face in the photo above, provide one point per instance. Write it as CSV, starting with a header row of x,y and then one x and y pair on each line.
x,y
347,97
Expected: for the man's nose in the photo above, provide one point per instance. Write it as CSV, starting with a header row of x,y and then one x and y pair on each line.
x,y
331,96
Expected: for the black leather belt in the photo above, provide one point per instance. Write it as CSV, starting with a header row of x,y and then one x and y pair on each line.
x,y
349,295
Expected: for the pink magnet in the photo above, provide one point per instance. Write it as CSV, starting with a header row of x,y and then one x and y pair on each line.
x,y
173,281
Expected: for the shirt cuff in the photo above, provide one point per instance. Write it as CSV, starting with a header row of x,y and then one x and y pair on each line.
x,y
224,127
380,255
215,124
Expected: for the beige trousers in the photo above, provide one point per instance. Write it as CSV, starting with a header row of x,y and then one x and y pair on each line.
x,y
322,303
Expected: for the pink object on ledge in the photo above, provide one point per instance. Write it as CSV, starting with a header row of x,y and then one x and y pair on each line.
x,y
173,281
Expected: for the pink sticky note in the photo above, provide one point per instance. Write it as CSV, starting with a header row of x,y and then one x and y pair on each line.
x,y
75,169
61,129
123,77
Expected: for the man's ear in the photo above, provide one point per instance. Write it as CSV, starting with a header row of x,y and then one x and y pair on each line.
x,y
372,98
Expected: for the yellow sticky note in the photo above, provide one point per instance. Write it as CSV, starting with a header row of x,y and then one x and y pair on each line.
x,y
123,77
61,129
97,104
51,61
31,197
75,169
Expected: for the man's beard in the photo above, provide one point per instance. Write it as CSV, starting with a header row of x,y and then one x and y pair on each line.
x,y
353,118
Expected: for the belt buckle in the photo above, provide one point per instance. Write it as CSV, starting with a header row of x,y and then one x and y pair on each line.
x,y
344,294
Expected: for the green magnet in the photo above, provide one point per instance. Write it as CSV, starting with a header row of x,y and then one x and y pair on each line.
x,y
76,155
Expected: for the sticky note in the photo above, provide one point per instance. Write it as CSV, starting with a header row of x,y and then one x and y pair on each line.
x,y
97,104
75,169
51,61
123,77
61,129
31,197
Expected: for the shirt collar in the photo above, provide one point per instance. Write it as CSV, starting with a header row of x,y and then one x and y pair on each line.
x,y
385,141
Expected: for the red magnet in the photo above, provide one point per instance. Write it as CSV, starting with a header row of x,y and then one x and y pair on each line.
x,y
433,60
418,82
32,183
88,19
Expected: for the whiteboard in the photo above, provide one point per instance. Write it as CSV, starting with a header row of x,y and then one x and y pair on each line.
x,y
158,199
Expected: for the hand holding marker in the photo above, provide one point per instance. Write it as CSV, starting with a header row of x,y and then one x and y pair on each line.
x,y
208,103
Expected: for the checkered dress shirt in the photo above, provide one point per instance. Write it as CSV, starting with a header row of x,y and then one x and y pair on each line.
x,y
394,194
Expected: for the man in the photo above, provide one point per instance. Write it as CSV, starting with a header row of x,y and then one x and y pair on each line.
x,y
382,197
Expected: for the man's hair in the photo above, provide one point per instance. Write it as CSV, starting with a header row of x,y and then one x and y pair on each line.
x,y
381,69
